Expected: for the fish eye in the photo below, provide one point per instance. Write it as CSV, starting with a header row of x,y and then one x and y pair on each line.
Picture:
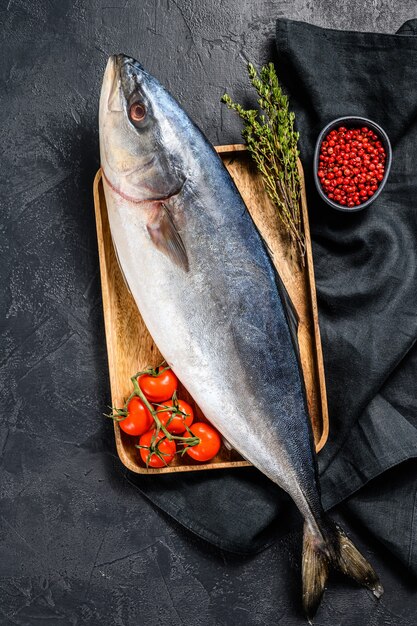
x,y
137,112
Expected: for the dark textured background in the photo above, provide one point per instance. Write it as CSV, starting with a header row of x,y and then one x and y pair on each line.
x,y
78,544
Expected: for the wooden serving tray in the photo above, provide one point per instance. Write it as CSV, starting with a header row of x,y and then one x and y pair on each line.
x,y
130,348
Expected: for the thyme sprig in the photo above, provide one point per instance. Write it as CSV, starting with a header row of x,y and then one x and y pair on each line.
x,y
272,142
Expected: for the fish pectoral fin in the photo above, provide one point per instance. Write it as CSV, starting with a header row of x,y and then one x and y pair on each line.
x,y
165,236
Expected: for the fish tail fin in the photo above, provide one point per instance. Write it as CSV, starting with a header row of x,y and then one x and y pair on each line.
x,y
331,548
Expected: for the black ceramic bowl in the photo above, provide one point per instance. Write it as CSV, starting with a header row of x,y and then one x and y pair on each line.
x,y
353,122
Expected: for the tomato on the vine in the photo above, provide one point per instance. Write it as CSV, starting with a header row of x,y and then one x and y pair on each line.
x,y
209,445
176,422
159,387
161,453
139,418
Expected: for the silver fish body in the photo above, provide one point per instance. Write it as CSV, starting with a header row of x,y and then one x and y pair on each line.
x,y
209,294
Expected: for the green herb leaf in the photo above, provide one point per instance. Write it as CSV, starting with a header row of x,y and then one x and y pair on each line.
x,y
272,142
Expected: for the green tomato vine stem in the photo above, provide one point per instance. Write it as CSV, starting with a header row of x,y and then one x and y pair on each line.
x,y
137,391
120,414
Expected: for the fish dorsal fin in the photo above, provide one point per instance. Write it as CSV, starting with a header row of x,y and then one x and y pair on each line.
x,y
120,266
164,234
291,312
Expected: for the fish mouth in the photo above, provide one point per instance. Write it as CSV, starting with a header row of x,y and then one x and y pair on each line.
x,y
122,59
112,79
122,72
123,75
129,72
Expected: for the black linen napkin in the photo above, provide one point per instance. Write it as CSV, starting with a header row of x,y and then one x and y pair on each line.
x,y
366,265
366,272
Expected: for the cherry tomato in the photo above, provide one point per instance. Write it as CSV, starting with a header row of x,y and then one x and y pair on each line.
x,y
209,445
166,448
138,420
178,423
160,387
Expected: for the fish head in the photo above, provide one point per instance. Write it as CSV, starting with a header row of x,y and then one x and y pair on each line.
x,y
139,150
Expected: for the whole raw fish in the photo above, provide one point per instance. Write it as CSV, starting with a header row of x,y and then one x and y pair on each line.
x,y
210,297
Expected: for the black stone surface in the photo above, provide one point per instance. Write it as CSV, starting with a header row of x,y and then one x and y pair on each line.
x,y
78,544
